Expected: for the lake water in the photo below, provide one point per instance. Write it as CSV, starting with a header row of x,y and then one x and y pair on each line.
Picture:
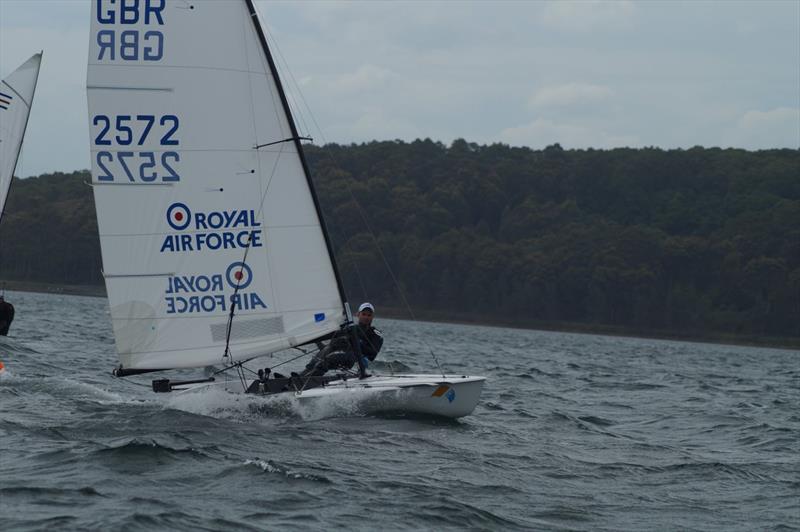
x,y
573,432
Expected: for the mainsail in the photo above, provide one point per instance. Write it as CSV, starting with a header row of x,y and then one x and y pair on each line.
x,y
16,98
201,188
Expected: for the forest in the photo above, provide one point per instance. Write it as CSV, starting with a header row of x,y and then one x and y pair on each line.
x,y
700,242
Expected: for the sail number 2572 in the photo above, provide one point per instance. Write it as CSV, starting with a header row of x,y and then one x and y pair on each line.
x,y
137,130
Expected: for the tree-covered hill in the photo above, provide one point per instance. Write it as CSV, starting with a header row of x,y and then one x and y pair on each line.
x,y
693,242
49,231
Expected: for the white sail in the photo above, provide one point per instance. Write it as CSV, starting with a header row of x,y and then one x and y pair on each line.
x,y
16,98
181,93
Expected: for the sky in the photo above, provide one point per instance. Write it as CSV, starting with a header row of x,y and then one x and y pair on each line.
x,y
599,74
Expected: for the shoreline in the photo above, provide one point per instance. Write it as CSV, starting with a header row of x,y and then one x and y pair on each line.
x,y
51,288
459,318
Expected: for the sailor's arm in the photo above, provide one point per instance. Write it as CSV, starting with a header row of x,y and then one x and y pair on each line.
x,y
371,344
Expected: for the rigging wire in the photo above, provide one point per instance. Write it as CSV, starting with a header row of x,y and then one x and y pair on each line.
x,y
363,216
247,246
298,107
361,282
134,382
228,368
303,354
346,244
299,111
394,279
227,353
229,327
240,373
352,195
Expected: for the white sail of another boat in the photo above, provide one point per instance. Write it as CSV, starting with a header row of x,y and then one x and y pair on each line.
x,y
193,153
16,99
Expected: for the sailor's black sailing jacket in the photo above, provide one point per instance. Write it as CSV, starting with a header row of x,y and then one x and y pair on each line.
x,y
6,316
370,341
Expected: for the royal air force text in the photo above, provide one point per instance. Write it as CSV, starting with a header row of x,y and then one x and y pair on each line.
x,y
211,230
205,294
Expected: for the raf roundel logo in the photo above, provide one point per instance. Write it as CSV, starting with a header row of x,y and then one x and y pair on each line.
x,y
179,216
239,274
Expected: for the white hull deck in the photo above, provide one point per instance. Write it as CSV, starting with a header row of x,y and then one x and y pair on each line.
x,y
437,395
447,396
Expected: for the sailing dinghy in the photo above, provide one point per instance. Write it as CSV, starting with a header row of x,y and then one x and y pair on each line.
x,y
213,243
16,99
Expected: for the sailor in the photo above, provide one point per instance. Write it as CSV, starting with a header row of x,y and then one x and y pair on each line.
x,y
340,352
6,316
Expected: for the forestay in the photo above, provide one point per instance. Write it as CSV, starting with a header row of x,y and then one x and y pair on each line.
x,y
16,98
194,153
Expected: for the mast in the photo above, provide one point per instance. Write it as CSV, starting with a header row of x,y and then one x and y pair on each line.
x,y
298,145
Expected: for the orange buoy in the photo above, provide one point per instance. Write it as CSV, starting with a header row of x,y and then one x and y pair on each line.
x,y
2,367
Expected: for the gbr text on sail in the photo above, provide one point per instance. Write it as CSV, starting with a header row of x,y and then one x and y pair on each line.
x,y
127,43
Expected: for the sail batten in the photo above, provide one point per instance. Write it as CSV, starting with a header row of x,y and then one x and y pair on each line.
x,y
237,225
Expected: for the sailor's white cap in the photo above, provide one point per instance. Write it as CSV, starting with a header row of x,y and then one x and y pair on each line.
x,y
366,306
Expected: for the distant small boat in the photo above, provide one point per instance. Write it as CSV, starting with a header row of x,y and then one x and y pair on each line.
x,y
214,246
16,99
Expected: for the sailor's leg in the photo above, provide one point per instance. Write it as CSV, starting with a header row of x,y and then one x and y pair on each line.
x,y
319,364
341,360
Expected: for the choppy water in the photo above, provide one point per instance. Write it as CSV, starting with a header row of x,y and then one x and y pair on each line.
x,y
574,432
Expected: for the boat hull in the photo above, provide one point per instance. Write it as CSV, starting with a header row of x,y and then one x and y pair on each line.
x,y
448,396
436,395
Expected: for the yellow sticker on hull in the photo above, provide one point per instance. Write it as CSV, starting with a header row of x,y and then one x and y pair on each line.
x,y
440,391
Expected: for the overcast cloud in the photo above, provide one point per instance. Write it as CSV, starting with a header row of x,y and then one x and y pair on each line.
x,y
584,74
